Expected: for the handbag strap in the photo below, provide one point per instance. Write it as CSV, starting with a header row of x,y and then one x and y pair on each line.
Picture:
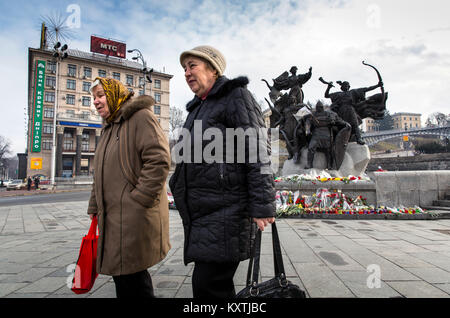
x,y
93,227
277,257
253,265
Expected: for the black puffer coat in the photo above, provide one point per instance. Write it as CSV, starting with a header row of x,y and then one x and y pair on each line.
x,y
217,201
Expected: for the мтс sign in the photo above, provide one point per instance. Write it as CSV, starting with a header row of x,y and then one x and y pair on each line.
x,y
108,47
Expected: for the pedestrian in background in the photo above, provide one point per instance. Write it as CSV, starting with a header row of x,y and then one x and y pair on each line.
x,y
29,182
36,182
219,202
129,196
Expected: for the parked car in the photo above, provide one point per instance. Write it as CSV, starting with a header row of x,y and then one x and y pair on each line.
x,y
171,201
5,183
16,184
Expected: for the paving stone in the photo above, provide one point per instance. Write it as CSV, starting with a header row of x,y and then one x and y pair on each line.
x,y
408,261
8,288
167,282
185,291
432,275
362,286
419,289
320,281
45,284
27,276
107,290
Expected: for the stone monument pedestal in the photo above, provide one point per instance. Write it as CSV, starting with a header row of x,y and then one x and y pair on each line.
x,y
355,162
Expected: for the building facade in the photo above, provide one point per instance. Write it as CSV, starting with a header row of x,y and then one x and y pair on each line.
x,y
407,120
368,125
64,93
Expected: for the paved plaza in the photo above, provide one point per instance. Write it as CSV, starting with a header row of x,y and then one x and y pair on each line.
x,y
39,245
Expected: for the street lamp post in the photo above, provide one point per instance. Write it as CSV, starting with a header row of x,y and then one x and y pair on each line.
x,y
59,53
147,72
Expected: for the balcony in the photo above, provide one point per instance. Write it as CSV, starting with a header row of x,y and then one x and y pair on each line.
x,y
72,150
87,118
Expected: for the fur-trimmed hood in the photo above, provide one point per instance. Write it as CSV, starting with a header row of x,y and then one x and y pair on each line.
x,y
221,87
131,106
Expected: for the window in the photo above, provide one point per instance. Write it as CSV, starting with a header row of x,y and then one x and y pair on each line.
x,y
141,81
71,84
70,99
141,92
50,81
86,86
51,66
49,97
116,76
158,97
48,112
101,73
47,128
157,110
68,145
68,134
87,72
85,115
85,145
70,113
130,80
86,101
46,144
72,70
158,84
85,135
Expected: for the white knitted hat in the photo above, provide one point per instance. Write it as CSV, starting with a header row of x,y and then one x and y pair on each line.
x,y
208,53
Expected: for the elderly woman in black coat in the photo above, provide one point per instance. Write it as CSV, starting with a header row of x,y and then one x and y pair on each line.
x,y
221,201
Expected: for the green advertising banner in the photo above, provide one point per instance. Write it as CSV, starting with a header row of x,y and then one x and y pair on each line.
x,y
36,128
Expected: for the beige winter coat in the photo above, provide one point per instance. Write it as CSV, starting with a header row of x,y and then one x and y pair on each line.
x,y
129,196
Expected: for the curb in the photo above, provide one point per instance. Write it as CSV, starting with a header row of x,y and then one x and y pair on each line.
x,y
39,192
393,216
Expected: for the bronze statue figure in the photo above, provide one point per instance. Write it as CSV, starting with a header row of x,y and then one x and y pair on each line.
x,y
352,106
286,81
330,135
286,106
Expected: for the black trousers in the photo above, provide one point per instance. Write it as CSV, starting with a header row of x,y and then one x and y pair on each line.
x,y
214,280
137,285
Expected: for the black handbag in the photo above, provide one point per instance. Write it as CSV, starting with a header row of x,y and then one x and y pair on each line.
x,y
277,287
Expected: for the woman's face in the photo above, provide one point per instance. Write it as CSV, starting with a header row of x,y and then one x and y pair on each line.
x,y
100,102
199,77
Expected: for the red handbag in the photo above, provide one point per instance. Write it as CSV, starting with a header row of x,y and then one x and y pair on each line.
x,y
85,270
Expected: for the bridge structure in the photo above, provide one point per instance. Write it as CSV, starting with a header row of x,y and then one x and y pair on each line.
x,y
372,138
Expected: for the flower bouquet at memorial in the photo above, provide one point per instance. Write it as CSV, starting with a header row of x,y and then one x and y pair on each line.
x,y
326,202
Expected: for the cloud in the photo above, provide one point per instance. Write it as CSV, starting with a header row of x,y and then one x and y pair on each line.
x,y
260,39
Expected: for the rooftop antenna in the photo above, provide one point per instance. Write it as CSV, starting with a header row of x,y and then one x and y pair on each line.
x,y
56,29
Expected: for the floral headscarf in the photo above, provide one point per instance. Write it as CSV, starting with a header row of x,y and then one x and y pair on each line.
x,y
116,94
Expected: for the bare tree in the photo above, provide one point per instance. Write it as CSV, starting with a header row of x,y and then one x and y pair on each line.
x,y
5,151
176,122
437,119
5,148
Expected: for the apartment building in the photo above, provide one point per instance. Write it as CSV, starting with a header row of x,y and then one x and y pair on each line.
x,y
64,93
407,120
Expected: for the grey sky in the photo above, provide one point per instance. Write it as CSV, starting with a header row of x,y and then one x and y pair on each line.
x,y
406,40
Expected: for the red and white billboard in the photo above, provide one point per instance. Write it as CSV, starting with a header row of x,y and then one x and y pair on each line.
x,y
108,47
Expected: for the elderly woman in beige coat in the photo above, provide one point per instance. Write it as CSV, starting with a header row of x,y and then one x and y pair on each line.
x,y
129,194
